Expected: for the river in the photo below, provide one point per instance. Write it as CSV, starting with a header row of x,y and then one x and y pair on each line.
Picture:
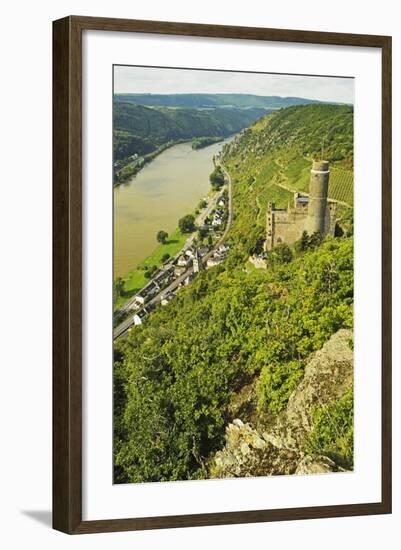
x,y
161,193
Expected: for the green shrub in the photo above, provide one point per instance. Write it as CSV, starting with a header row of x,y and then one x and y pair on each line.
x,y
333,431
276,383
281,254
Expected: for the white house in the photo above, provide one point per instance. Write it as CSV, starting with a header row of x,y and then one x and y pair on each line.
x,y
137,320
189,253
139,299
183,261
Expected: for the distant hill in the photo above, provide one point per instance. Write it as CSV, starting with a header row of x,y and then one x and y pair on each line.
x,y
242,101
141,130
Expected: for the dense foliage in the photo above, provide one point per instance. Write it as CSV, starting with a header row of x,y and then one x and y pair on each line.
x,y
162,236
199,143
217,178
141,130
176,374
186,224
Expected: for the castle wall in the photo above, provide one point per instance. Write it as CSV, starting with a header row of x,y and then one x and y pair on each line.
x,y
318,215
287,226
289,230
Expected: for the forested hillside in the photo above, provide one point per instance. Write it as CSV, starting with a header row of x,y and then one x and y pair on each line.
x,y
178,374
140,130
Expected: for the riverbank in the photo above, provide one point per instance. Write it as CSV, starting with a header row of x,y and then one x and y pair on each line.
x,y
172,186
135,165
168,279
135,279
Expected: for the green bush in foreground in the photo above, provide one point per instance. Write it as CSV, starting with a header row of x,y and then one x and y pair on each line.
x,y
276,383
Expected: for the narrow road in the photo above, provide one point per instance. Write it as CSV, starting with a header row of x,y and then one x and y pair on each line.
x,y
127,324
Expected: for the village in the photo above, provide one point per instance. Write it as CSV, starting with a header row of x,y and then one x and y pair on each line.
x,y
204,249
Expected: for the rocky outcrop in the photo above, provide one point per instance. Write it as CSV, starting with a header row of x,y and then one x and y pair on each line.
x,y
280,449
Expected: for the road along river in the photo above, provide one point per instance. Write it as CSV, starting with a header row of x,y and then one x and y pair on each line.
x,y
161,193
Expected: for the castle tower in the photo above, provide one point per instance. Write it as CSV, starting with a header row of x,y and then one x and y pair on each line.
x,y
318,190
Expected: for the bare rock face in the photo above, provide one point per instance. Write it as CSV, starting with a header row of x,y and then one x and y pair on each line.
x,y
328,375
280,449
316,465
248,454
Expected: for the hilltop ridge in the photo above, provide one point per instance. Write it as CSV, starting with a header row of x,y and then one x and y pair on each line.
x,y
205,100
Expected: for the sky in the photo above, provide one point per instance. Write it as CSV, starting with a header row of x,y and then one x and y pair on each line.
x,y
156,80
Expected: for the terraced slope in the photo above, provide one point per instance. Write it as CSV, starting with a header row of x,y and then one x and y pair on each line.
x,y
272,158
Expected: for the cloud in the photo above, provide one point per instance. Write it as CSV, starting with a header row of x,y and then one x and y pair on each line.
x,y
131,79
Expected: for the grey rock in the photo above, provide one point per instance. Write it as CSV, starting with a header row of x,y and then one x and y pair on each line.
x,y
280,449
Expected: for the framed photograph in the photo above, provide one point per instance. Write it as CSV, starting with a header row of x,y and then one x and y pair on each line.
x,y
222,275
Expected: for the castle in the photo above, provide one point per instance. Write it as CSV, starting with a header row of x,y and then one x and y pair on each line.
x,y
311,213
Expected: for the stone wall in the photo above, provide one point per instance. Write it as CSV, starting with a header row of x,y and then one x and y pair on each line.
x,y
287,226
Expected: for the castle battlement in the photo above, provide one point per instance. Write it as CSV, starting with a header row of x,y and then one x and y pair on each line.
x,y
311,213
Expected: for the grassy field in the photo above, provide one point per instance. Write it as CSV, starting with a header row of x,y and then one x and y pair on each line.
x,y
135,279
297,174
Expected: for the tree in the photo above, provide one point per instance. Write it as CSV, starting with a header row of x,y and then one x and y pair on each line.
x,y
150,271
281,254
162,236
187,224
118,287
315,239
303,243
165,257
217,178
202,232
304,240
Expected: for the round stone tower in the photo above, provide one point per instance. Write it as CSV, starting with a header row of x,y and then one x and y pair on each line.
x,y
318,189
